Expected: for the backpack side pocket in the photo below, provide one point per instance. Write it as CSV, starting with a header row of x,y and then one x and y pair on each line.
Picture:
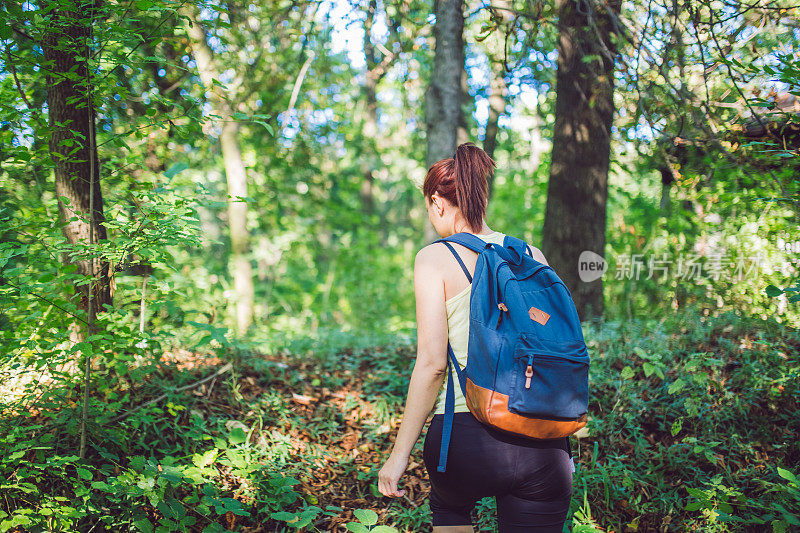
x,y
549,381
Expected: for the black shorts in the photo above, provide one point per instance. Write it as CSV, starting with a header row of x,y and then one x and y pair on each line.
x,y
531,479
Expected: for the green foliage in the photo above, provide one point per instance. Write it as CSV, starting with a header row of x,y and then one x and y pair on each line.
x,y
688,417
367,518
687,423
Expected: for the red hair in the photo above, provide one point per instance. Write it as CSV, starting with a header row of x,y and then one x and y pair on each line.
x,y
462,180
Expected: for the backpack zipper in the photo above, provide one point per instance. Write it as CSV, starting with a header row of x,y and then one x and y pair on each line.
x,y
503,309
529,372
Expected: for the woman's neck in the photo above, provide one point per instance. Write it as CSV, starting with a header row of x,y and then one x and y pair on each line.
x,y
485,230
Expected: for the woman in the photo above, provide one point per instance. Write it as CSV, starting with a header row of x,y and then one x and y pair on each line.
x,y
532,480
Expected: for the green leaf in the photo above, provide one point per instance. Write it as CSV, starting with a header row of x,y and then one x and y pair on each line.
x,y
677,426
237,436
165,509
367,517
85,474
792,519
213,527
773,291
305,519
627,373
383,529
284,516
267,126
143,525
697,493
355,527
787,475
676,386
235,506
174,169
237,459
206,459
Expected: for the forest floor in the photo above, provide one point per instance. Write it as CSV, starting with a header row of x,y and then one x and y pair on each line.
x,y
694,425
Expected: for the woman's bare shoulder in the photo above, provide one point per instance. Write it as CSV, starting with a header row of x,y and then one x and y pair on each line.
x,y
428,275
432,253
538,255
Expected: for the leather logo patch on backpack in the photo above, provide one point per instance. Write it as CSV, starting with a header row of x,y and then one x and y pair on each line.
x,y
537,315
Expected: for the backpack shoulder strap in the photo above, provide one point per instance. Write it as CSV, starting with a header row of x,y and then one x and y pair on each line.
x,y
514,242
520,247
476,244
468,240
449,406
458,258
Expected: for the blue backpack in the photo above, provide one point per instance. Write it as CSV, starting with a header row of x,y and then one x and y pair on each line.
x,y
527,367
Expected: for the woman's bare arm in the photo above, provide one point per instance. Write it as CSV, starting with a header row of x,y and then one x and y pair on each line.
x,y
430,367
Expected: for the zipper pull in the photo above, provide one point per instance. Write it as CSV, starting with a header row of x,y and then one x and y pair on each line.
x,y
529,372
503,309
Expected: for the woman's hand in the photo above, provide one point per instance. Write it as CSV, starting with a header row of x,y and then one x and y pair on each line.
x,y
390,475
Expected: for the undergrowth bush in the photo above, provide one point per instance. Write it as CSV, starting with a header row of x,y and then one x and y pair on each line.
x,y
692,427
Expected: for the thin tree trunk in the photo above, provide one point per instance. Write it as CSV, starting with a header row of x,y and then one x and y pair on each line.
x,y
498,86
537,143
497,108
467,107
74,154
242,272
370,129
575,213
444,94
236,176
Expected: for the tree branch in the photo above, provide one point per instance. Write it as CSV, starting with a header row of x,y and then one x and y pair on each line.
x,y
126,414
16,80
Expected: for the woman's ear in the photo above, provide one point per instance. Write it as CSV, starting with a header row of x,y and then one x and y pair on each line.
x,y
437,203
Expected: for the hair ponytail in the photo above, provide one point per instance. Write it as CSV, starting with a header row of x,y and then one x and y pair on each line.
x,y
472,167
462,181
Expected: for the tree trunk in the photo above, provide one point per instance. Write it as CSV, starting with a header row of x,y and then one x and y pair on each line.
x,y
235,173
444,94
241,269
575,213
467,109
537,143
497,108
499,89
74,152
370,129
